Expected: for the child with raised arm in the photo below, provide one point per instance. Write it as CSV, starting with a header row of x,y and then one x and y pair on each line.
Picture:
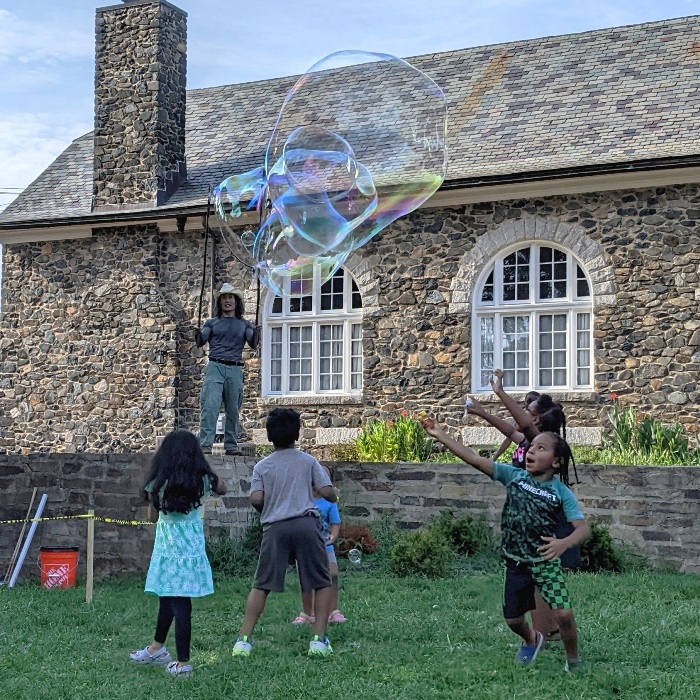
x,y
330,519
529,548
281,490
179,478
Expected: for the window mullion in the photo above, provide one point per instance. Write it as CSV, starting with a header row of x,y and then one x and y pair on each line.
x,y
315,356
534,351
534,273
572,340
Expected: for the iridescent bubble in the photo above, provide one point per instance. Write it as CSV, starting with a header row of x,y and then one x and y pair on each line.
x,y
355,556
229,194
359,142
248,238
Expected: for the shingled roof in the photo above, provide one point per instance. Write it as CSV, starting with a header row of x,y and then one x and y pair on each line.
x,y
600,98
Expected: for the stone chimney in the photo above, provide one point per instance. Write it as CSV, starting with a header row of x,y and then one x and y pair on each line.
x,y
140,95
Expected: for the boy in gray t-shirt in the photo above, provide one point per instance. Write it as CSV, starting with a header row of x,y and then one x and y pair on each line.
x,y
282,491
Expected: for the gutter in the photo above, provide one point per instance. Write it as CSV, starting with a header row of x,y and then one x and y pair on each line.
x,y
159,214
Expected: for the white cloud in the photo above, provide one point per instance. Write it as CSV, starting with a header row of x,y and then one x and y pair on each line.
x,y
30,142
28,41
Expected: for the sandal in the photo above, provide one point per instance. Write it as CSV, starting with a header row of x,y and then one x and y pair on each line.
x,y
172,669
337,617
143,656
304,619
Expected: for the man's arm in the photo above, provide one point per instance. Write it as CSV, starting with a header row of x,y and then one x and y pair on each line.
x,y
257,500
252,336
202,337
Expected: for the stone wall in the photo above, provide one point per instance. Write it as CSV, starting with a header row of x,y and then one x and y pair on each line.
x,y
654,510
118,297
140,96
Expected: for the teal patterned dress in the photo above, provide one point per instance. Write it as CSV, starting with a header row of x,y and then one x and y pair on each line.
x,y
179,564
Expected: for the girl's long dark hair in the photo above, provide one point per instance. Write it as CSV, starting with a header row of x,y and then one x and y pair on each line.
x,y
179,465
564,455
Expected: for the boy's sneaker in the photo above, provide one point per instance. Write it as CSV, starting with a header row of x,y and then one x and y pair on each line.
x,y
242,647
528,652
573,665
320,647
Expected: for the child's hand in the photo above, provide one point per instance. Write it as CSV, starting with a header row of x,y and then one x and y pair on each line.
x,y
330,539
474,408
497,381
552,549
431,426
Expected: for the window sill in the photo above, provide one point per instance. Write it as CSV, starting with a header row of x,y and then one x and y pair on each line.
x,y
316,400
563,396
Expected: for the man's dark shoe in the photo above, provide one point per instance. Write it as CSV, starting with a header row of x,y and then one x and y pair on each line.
x,y
234,452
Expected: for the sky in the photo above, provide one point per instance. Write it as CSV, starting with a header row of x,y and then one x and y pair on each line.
x,y
47,50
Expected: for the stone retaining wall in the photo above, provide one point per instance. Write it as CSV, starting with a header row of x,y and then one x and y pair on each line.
x,y
653,509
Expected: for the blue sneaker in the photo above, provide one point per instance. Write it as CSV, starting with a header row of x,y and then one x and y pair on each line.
x,y
242,647
528,653
320,647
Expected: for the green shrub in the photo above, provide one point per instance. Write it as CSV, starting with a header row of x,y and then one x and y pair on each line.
x,y
598,552
465,535
235,557
344,452
421,554
264,450
400,440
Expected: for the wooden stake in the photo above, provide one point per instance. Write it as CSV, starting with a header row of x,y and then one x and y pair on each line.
x,y
13,560
90,556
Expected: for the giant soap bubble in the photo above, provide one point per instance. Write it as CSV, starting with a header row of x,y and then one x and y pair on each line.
x,y
358,143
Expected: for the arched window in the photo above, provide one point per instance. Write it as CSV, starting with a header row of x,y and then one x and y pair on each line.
x,y
533,317
313,344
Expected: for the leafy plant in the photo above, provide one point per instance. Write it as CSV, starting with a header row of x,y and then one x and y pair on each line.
x,y
641,439
466,535
264,450
598,552
426,553
400,440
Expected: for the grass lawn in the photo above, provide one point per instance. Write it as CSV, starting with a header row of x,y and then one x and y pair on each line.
x,y
405,638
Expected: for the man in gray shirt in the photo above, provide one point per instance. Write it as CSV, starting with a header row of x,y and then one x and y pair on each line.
x,y
282,491
227,335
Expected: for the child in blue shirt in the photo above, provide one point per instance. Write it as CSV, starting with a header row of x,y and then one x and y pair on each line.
x,y
330,519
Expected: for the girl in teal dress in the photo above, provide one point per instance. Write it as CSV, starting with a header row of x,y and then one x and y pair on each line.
x,y
179,478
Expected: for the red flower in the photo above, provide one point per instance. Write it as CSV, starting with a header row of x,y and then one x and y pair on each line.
x,y
391,424
614,396
404,413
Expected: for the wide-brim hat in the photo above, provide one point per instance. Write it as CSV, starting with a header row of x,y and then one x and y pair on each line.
x,y
227,288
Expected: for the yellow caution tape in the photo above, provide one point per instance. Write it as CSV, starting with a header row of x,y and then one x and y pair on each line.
x,y
113,521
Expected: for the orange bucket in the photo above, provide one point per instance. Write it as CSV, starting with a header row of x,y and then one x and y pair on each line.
x,y
59,567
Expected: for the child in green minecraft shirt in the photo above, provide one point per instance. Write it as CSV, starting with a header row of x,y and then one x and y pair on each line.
x,y
530,549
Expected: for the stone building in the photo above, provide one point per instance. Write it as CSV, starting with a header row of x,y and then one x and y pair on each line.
x,y
563,246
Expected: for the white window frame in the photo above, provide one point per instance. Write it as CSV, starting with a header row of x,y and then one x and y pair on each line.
x,y
534,308
347,317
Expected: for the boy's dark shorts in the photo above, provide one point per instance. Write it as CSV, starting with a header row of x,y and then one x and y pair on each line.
x,y
521,579
297,538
